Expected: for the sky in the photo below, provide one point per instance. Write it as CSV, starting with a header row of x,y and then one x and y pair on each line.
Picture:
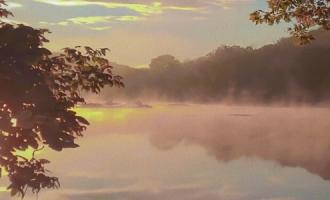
x,y
138,30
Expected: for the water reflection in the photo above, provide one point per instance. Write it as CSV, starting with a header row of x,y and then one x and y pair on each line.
x,y
197,153
294,137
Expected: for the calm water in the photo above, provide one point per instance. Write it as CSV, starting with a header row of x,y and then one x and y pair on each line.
x,y
196,152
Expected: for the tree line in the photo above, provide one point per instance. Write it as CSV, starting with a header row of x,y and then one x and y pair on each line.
x,y
280,72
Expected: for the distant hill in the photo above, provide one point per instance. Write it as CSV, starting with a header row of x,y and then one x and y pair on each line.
x,y
280,72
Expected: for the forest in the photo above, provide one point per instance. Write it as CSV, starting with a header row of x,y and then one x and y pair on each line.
x,y
284,72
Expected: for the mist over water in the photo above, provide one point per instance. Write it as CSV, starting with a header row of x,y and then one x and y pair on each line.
x,y
291,136
186,151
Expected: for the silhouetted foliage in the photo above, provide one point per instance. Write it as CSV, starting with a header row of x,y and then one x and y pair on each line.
x,y
305,14
38,91
281,72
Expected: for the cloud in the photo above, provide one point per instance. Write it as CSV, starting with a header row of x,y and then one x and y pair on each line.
x,y
91,20
12,21
231,2
142,9
13,5
145,9
100,28
181,3
62,23
281,198
103,19
149,7
174,193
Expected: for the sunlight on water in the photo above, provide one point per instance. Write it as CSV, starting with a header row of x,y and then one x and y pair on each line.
x,y
4,172
101,114
91,114
3,189
28,154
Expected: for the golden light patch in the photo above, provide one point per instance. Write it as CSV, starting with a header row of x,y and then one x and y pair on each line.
x,y
28,154
91,19
121,114
100,115
100,28
129,18
91,114
4,172
108,114
3,189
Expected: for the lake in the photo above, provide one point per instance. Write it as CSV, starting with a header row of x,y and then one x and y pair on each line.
x,y
197,152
